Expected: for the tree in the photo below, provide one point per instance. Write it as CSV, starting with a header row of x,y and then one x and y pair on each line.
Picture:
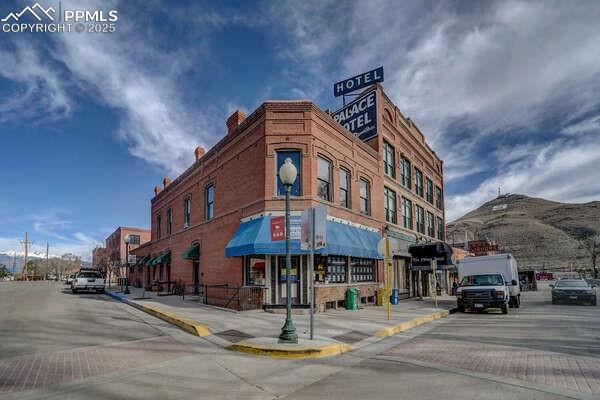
x,y
3,271
591,244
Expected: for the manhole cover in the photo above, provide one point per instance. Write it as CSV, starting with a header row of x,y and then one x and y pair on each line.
x,y
351,337
233,336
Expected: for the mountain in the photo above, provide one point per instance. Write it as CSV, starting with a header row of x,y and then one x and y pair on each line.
x,y
537,232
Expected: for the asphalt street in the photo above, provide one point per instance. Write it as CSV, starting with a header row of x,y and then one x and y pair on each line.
x,y
62,346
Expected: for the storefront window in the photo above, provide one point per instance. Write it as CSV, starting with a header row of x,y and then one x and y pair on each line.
x,y
362,269
255,271
330,269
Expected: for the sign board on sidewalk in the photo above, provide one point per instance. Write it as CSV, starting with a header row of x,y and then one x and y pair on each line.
x,y
320,228
360,116
132,259
358,82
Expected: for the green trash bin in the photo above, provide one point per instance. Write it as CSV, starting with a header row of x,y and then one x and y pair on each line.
x,y
352,299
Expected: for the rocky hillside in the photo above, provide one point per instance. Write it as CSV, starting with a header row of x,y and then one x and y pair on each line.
x,y
537,231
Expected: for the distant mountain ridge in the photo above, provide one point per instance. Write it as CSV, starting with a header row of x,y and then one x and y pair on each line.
x,y
536,231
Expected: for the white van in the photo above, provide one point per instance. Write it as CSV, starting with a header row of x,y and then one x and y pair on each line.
x,y
488,282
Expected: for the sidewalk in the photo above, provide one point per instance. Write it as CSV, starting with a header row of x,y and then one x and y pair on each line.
x,y
352,329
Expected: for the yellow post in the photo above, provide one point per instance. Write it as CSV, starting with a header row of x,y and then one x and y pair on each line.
x,y
387,278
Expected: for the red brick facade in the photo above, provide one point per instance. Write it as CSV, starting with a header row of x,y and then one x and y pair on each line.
x,y
242,170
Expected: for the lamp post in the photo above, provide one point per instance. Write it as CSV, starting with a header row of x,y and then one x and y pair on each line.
x,y
287,175
127,239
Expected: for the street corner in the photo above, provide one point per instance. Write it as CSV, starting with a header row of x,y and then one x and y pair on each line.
x,y
406,325
304,349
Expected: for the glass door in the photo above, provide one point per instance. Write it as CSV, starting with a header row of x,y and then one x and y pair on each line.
x,y
295,279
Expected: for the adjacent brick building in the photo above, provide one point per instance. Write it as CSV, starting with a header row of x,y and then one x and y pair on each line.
x,y
112,258
211,225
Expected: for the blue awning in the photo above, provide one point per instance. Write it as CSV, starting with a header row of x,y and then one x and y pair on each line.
x,y
254,237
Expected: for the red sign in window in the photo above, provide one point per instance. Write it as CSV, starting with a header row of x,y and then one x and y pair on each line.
x,y
277,228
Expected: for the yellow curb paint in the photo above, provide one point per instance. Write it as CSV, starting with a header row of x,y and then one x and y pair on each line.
x,y
289,352
404,326
188,325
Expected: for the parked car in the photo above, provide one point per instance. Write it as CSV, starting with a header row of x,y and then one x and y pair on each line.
x,y
69,279
488,282
88,280
573,291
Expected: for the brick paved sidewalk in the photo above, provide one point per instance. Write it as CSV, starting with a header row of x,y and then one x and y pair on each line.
x,y
571,372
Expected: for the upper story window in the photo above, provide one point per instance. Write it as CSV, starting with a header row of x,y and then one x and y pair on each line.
x,y
389,159
390,205
324,179
209,202
418,182
438,197
406,173
430,225
187,211
365,196
169,221
158,223
407,218
420,219
440,228
429,190
294,155
134,239
345,188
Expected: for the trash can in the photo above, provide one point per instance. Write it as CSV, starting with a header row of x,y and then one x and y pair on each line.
x,y
395,296
382,297
352,299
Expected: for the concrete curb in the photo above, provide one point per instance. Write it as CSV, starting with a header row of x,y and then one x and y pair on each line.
x,y
290,351
188,325
406,325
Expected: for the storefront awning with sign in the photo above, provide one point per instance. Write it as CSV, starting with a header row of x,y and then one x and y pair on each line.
x,y
164,258
422,254
192,253
142,260
255,237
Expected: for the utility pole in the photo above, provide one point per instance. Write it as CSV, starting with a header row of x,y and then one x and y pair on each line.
x,y
26,244
47,259
14,268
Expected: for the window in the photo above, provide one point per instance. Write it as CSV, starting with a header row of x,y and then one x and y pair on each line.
x,y
256,271
187,211
420,219
169,221
438,197
418,182
365,197
324,178
407,213
406,175
440,228
429,190
294,155
336,269
209,208
430,225
362,269
344,188
389,160
390,205
158,222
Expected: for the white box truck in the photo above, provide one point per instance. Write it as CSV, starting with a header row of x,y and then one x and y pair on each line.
x,y
488,282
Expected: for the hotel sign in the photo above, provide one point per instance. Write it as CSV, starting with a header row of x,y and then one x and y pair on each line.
x,y
360,116
358,82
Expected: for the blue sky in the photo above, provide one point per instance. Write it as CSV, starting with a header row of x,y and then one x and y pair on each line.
x,y
506,92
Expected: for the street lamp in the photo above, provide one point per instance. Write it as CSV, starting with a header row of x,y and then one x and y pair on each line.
x,y
287,175
127,240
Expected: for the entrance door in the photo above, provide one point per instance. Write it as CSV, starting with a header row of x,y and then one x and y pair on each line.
x,y
295,279
196,276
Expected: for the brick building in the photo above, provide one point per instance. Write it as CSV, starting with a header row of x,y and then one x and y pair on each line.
x,y
114,252
211,226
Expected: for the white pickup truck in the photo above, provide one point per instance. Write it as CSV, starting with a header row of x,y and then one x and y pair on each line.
x,y
488,282
88,280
